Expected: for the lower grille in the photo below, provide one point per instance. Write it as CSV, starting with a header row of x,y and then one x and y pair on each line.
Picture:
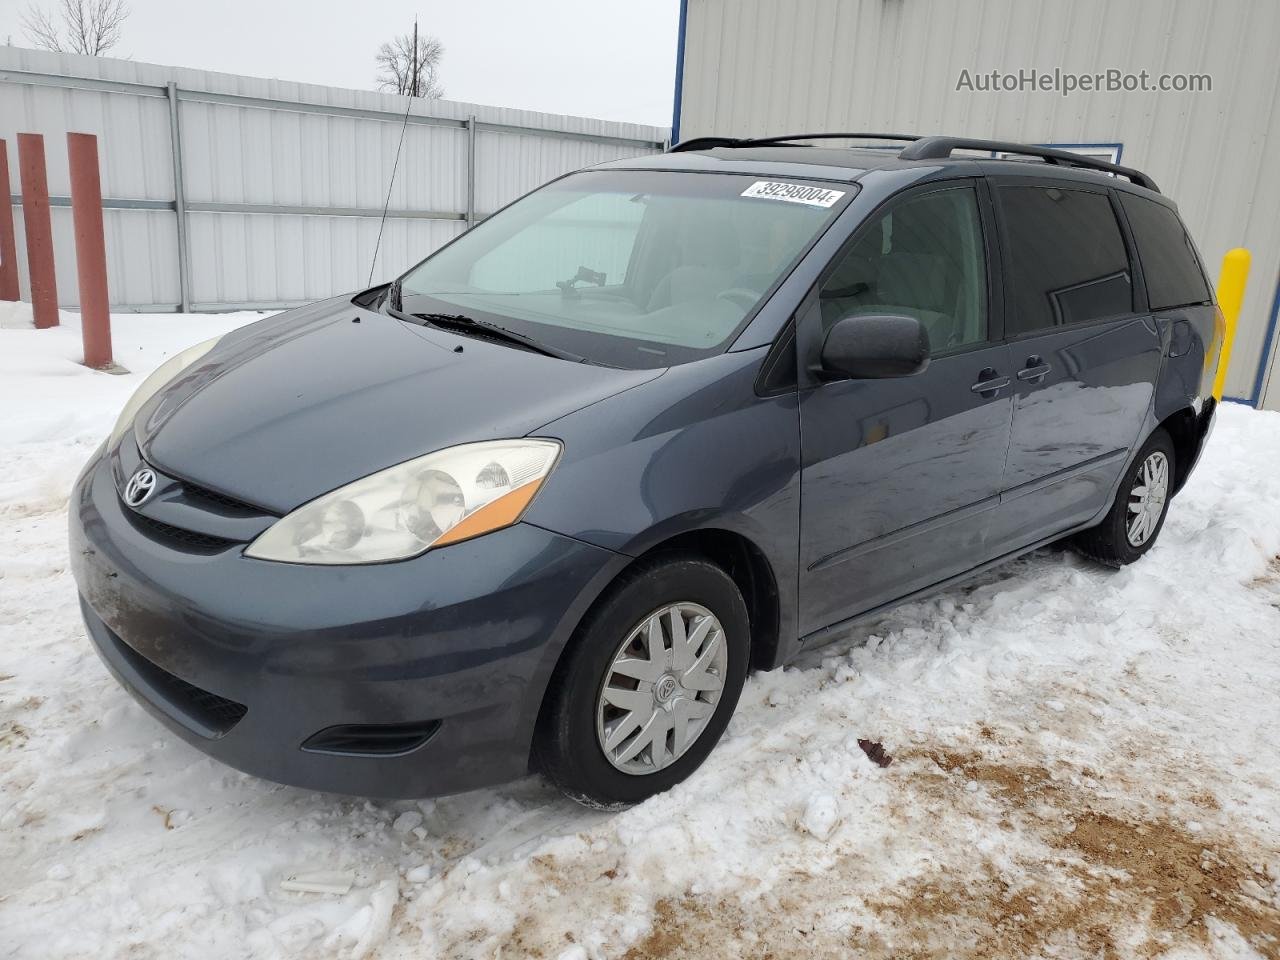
x,y
219,711
206,713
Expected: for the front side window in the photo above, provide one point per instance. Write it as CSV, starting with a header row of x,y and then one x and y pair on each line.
x,y
626,267
1067,260
923,258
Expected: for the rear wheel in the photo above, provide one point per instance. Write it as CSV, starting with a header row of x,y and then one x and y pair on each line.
x,y
1137,515
649,683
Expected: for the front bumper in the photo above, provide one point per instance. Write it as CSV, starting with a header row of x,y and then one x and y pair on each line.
x,y
432,670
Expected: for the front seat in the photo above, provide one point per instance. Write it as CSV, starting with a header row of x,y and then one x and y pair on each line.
x,y
707,266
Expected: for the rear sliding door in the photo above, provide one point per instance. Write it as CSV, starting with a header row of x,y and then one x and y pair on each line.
x,y
1085,355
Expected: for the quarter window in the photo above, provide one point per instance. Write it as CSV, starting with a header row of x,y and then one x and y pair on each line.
x,y
1169,263
1066,255
923,258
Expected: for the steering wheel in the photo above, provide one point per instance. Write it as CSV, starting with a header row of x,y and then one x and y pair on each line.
x,y
739,296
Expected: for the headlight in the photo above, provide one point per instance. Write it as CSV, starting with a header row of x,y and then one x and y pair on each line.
x,y
400,512
152,385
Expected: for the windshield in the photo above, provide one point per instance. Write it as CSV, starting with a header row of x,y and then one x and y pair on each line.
x,y
629,268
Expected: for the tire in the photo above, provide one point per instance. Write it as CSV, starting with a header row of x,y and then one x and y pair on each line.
x,y
1111,542
578,717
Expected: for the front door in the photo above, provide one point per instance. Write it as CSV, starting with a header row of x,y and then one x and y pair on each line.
x,y
1085,357
900,474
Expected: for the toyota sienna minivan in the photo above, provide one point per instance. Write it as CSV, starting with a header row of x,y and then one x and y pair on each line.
x,y
544,501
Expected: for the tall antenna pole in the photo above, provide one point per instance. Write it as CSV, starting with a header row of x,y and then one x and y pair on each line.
x,y
413,90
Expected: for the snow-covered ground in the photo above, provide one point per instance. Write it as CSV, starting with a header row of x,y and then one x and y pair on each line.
x,y
1086,764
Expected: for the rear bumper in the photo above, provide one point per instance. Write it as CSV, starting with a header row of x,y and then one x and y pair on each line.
x,y
432,669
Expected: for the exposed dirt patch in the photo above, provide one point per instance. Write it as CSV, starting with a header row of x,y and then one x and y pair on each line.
x,y
1205,800
539,936
1121,888
13,736
673,921
1108,884
995,920
1269,583
1184,878
696,928
521,942
1271,576
1118,882
1018,781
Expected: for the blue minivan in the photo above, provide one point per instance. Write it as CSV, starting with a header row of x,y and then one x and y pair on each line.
x,y
544,501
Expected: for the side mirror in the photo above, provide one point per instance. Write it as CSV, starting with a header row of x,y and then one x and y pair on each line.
x,y
876,346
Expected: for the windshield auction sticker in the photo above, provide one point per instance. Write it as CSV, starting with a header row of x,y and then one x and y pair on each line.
x,y
793,193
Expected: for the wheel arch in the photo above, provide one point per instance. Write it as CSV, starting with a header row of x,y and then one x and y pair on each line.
x,y
739,557
749,568
1185,430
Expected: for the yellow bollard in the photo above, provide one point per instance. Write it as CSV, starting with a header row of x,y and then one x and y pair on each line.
x,y
1235,271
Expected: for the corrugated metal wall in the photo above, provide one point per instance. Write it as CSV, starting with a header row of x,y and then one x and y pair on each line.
x,y
313,147
756,67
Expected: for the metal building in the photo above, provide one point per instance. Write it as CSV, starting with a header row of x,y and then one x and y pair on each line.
x,y
228,192
759,67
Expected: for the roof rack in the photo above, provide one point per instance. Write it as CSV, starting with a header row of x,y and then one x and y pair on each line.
x,y
940,148
929,148
710,143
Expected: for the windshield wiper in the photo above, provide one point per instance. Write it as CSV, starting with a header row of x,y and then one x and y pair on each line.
x,y
463,324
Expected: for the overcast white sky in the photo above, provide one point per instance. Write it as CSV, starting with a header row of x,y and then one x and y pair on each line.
x,y
598,58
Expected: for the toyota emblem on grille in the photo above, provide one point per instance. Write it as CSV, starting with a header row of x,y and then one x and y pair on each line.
x,y
140,487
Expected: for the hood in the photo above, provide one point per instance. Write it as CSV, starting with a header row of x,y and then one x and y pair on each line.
x,y
297,405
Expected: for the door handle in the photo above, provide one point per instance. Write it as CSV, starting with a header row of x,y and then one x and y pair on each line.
x,y
989,383
1035,370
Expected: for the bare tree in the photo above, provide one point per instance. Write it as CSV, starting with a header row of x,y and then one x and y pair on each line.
x,y
80,26
410,65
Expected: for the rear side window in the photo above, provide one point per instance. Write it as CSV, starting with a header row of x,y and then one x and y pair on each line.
x,y
1169,262
1067,258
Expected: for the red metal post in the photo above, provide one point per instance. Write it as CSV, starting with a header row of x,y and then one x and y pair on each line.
x,y
35,218
8,242
91,248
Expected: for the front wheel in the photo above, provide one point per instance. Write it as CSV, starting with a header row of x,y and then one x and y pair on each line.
x,y
1137,515
648,685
